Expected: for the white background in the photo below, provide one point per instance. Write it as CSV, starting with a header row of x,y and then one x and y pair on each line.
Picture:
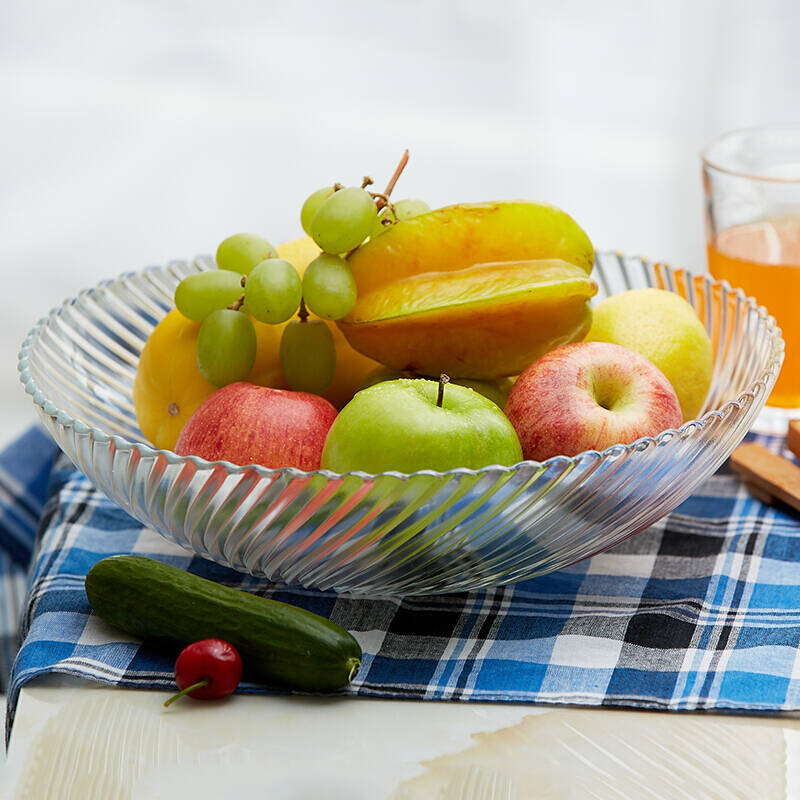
x,y
136,132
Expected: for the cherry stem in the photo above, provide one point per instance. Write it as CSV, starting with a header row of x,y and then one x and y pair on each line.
x,y
383,200
182,692
443,379
302,312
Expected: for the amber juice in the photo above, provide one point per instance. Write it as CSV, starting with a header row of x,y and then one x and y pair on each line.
x,y
763,259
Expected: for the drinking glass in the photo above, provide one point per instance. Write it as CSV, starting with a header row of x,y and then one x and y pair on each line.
x,y
752,189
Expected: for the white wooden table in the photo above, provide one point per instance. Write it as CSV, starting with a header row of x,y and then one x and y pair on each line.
x,y
81,742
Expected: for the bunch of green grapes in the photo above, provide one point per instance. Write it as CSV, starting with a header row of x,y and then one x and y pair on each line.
x,y
252,280
250,277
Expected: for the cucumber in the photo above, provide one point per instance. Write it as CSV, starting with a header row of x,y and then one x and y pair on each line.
x,y
280,645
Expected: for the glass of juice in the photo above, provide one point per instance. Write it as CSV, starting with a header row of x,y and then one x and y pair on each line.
x,y
752,190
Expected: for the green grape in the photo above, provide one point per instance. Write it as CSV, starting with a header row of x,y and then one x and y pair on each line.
x,y
308,356
410,207
329,289
226,347
404,209
344,220
197,295
242,251
273,291
311,206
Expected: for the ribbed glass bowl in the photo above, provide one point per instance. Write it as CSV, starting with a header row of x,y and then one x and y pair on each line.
x,y
391,533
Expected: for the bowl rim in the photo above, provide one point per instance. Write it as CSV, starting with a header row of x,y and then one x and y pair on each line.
x,y
146,450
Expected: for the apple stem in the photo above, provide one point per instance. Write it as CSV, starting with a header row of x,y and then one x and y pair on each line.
x,y
443,379
302,312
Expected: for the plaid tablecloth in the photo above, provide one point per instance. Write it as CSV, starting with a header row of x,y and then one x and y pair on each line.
x,y
701,611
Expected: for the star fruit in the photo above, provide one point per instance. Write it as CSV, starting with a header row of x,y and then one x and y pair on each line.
x,y
474,290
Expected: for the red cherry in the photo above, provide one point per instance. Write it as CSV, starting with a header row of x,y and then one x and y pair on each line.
x,y
207,670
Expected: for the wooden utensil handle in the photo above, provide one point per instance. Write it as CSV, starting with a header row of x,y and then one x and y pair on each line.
x,y
770,474
793,437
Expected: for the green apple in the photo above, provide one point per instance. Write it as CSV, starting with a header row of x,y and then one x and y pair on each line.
x,y
496,390
398,425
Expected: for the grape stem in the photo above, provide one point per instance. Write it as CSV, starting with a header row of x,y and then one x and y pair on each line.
x,y
381,198
443,379
386,222
384,199
302,311
237,304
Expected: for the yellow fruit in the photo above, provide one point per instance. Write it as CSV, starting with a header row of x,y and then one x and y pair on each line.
x,y
664,328
474,290
299,252
168,386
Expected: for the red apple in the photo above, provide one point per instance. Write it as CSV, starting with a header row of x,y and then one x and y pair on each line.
x,y
588,396
248,424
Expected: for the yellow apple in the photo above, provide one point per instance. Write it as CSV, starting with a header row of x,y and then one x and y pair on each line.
x,y
665,329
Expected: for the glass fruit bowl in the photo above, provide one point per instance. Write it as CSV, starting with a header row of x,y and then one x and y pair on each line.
x,y
390,533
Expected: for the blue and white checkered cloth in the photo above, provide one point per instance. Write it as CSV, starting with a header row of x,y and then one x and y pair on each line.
x,y
701,611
